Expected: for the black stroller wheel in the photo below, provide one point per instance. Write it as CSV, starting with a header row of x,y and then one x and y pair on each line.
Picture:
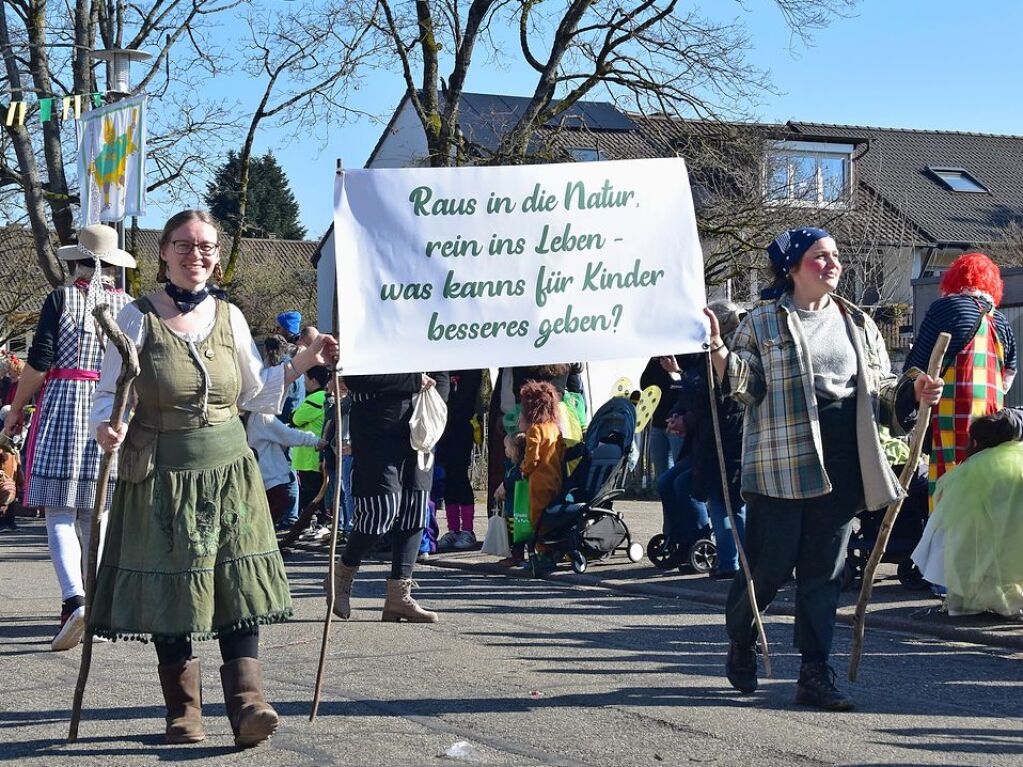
x,y
910,576
662,553
578,561
703,555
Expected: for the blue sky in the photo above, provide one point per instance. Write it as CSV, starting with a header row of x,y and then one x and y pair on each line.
x,y
933,64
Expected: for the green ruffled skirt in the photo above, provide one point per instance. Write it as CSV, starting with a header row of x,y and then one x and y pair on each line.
x,y
190,548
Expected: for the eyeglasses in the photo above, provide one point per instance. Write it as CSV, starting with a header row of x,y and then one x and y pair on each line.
x,y
184,247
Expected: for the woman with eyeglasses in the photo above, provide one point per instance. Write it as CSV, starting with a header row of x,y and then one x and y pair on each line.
x,y
190,551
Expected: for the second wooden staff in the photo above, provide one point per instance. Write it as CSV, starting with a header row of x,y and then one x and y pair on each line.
x,y
909,470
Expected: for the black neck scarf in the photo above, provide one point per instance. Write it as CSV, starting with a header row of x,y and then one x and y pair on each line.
x,y
186,300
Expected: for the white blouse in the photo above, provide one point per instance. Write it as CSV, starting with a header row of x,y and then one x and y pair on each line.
x,y
262,389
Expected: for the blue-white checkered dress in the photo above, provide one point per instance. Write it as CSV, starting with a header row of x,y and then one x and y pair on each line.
x,y
64,464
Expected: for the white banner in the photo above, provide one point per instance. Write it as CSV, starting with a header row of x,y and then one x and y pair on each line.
x,y
112,161
453,268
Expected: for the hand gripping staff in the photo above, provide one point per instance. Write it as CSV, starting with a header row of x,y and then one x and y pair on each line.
x,y
915,445
750,590
129,371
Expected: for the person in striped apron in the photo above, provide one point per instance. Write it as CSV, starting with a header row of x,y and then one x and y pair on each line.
x,y
979,365
390,489
62,459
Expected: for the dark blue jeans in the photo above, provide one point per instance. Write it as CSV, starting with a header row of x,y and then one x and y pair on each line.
x,y
685,519
728,555
292,516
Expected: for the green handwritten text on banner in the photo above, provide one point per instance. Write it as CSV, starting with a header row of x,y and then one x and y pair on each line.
x,y
456,268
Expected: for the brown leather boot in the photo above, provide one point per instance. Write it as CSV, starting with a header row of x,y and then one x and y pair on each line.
x,y
343,577
182,692
252,718
400,605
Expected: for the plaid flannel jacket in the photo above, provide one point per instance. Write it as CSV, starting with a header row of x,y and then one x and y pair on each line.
x,y
769,371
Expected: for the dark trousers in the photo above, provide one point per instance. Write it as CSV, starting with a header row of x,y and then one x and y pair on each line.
x,y
809,535
278,498
309,483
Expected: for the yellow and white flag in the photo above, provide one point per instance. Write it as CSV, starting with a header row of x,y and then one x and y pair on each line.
x,y
112,161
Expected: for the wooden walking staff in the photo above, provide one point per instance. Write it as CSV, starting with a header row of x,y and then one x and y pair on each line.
x,y
915,445
743,562
129,371
335,503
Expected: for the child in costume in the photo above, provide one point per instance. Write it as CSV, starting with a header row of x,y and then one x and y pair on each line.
x,y
545,450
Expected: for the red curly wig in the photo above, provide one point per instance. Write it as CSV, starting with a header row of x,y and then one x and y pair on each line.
x,y
973,271
539,402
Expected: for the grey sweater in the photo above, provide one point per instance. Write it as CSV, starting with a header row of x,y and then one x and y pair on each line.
x,y
832,355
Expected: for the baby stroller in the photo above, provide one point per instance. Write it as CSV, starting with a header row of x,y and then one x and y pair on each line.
x,y
581,523
909,527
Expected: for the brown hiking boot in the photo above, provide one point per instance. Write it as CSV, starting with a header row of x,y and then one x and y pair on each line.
x,y
182,692
343,577
400,605
252,719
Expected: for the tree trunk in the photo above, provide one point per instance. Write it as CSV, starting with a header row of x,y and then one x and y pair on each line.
x,y
244,160
57,191
30,180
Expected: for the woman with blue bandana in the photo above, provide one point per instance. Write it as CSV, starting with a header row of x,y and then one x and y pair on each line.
x,y
814,375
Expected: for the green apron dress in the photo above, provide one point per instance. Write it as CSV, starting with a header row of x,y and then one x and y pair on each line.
x,y
190,549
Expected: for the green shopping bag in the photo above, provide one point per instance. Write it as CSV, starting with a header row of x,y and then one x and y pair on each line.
x,y
522,527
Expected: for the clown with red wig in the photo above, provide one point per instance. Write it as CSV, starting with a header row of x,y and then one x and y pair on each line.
x,y
980,362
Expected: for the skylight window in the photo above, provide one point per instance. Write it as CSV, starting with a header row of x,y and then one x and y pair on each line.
x,y
957,180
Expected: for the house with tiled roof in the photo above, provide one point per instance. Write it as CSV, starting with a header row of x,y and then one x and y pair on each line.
x,y
902,203
911,200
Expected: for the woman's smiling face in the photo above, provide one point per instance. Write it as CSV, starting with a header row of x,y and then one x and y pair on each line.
x,y
819,270
191,254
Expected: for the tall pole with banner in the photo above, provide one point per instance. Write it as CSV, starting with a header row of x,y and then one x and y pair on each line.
x,y
119,87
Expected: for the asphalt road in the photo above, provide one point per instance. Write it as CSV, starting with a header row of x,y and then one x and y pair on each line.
x,y
517,673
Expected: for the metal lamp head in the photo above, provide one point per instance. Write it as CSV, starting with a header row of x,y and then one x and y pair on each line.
x,y
118,63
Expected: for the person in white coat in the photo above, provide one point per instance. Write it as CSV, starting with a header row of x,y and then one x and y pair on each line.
x,y
269,439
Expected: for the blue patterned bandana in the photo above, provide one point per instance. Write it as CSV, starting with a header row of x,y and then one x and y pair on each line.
x,y
788,249
186,300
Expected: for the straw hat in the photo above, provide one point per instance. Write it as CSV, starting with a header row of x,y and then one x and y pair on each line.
x,y
97,240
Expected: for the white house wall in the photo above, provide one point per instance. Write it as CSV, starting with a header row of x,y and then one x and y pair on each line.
x,y
325,284
404,145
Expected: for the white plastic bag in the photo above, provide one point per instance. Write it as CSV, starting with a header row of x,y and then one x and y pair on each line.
x,y
429,416
496,543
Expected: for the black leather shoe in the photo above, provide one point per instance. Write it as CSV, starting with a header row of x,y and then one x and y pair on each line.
x,y
816,687
741,667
